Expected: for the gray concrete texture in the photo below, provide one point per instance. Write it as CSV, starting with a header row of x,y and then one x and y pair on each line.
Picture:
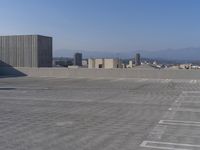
x,y
26,51
99,114
103,73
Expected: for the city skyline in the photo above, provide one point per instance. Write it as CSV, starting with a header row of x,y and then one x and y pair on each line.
x,y
108,25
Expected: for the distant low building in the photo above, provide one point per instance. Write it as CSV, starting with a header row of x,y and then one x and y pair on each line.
x,y
130,64
73,67
196,67
124,65
174,67
104,63
185,66
84,63
62,62
91,63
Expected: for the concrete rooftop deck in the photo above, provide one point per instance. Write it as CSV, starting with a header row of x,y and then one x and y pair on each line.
x,y
99,114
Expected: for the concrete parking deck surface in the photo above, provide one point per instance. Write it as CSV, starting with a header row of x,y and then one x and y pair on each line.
x,y
99,114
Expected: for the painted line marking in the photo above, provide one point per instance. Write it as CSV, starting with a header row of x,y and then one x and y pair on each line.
x,y
168,146
186,92
116,80
66,123
191,81
158,131
192,101
170,109
142,80
166,81
188,110
46,99
190,96
179,123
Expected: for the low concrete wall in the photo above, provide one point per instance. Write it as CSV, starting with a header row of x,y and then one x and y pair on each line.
x,y
102,73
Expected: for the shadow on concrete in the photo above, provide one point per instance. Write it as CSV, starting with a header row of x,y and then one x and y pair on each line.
x,y
7,71
6,89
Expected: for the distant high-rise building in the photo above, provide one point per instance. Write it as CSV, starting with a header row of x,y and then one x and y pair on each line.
x,y
25,51
137,59
78,59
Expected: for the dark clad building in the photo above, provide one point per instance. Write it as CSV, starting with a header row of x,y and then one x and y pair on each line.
x,y
26,51
137,59
78,59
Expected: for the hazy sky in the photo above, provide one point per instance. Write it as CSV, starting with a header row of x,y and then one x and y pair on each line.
x,y
113,25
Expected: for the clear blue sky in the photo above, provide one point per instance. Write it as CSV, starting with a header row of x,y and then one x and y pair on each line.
x,y
101,25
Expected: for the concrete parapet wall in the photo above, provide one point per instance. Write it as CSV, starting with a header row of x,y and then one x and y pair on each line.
x,y
102,73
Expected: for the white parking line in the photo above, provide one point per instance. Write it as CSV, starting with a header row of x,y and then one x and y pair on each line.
x,y
188,110
142,80
191,92
116,80
193,81
166,81
192,96
193,101
168,146
179,123
159,130
45,99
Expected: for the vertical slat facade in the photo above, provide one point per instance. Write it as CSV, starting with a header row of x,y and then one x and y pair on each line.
x,y
26,51
45,54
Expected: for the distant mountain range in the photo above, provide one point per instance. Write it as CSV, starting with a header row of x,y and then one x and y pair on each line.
x,y
174,54
186,54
